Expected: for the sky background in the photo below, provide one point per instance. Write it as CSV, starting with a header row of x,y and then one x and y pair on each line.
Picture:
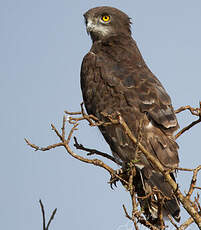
x,y
42,43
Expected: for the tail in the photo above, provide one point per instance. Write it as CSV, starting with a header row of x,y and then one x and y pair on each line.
x,y
146,182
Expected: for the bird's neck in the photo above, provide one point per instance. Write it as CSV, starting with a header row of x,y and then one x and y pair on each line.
x,y
118,47
114,40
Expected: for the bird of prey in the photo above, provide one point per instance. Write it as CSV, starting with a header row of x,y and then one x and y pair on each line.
x,y
115,78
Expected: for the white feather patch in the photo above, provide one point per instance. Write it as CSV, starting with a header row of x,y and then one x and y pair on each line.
x,y
99,28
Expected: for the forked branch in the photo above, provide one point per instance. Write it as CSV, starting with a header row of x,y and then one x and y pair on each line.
x,y
46,227
74,118
194,111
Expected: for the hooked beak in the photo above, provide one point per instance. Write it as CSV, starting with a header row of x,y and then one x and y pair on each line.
x,y
90,26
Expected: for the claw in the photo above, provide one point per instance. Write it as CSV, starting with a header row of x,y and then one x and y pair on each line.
x,y
114,179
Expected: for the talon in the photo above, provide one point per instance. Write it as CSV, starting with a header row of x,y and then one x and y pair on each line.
x,y
111,186
119,171
114,179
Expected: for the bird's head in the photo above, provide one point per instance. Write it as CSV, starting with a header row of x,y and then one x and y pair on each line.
x,y
103,22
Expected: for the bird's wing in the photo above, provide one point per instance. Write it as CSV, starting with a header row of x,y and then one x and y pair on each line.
x,y
144,94
152,98
109,86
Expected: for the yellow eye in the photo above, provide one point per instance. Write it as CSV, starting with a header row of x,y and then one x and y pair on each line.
x,y
105,18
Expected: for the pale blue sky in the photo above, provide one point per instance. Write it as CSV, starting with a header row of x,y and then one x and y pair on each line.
x,y
42,43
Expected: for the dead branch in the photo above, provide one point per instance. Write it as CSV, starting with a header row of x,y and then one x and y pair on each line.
x,y
172,222
93,151
43,215
65,144
137,216
187,128
197,201
92,120
194,111
184,169
186,224
43,148
193,181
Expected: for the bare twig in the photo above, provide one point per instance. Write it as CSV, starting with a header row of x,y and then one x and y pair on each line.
x,y
160,203
134,205
193,181
65,143
93,151
187,128
184,169
93,121
145,197
172,222
51,218
186,224
194,111
132,194
49,147
63,127
71,133
72,113
57,132
43,214
197,201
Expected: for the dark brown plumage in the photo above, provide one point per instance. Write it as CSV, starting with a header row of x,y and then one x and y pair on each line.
x,y
115,78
